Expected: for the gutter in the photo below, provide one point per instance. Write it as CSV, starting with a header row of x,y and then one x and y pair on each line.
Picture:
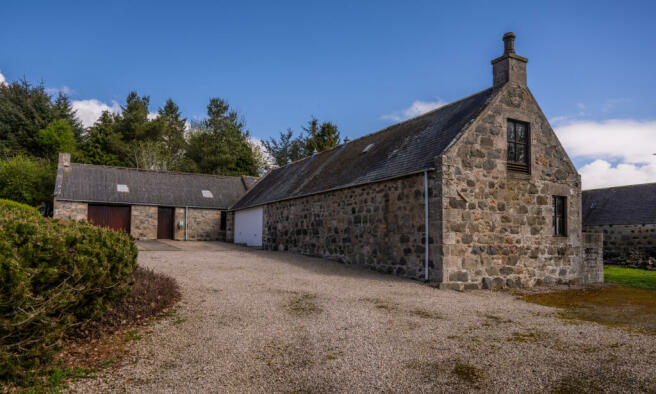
x,y
426,224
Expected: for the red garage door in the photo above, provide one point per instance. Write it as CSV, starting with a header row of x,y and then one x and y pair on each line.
x,y
116,217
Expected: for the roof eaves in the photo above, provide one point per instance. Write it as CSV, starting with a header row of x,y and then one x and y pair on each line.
x,y
329,190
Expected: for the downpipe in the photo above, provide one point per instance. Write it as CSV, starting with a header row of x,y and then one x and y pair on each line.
x,y
426,224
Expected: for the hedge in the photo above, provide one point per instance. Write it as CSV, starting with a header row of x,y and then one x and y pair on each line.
x,y
54,275
9,204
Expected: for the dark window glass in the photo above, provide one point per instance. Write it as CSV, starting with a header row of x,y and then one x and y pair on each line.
x,y
521,153
518,146
511,152
511,131
559,216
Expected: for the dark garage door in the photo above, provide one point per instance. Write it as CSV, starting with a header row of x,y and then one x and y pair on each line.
x,y
164,223
116,217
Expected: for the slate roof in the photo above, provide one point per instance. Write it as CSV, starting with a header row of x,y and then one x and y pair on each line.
x,y
635,204
92,183
403,149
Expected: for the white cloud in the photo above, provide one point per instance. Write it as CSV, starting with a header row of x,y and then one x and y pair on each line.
x,y
601,173
88,111
415,109
629,144
2,79
63,90
152,115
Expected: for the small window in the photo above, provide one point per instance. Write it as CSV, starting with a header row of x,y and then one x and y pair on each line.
x,y
207,194
519,139
559,216
122,188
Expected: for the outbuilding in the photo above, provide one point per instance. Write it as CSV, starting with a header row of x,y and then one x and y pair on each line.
x,y
476,194
626,216
147,204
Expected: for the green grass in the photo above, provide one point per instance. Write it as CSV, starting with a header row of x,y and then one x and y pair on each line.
x,y
631,277
55,381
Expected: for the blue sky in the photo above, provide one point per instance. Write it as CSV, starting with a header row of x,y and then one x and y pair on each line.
x,y
361,65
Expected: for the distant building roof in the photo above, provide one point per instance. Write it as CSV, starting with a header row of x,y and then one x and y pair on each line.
x,y
635,204
403,149
117,185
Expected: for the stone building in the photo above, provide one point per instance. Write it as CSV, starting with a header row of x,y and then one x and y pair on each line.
x,y
626,216
476,194
147,204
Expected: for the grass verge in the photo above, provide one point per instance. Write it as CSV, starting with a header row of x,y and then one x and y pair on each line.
x,y
610,304
631,277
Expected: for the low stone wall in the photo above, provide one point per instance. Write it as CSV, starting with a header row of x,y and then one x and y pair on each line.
x,y
70,210
632,245
143,223
379,225
204,225
592,269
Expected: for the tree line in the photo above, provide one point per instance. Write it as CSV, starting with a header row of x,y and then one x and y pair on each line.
x,y
36,126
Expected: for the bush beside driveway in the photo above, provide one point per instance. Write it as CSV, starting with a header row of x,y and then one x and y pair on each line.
x,y
260,321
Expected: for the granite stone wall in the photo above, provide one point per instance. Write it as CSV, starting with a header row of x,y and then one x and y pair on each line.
x,y
204,225
143,222
498,223
70,210
631,245
379,225
592,270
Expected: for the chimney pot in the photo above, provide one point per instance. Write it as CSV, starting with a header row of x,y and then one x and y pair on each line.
x,y
508,43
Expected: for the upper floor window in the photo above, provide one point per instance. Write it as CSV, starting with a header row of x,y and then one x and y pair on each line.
x,y
559,216
518,146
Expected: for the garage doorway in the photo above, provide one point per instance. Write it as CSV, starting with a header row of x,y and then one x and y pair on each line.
x,y
115,217
248,227
165,223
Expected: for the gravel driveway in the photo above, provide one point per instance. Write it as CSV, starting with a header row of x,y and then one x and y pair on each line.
x,y
259,321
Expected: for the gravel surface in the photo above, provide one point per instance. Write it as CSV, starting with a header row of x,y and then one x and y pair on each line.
x,y
260,321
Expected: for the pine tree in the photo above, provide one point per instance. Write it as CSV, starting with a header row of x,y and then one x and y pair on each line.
x,y
219,144
102,144
285,149
173,128
64,110
24,110
320,137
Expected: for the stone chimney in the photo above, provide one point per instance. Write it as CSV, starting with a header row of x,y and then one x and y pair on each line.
x,y
64,160
510,67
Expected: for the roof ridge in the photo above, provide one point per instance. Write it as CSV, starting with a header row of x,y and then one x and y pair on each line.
x,y
161,171
620,187
429,113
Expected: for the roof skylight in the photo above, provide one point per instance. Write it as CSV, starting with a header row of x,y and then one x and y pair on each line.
x,y
122,188
207,194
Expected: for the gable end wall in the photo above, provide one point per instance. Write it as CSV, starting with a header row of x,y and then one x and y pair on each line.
x,y
498,224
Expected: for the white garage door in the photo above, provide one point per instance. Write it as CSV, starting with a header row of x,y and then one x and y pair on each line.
x,y
248,227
